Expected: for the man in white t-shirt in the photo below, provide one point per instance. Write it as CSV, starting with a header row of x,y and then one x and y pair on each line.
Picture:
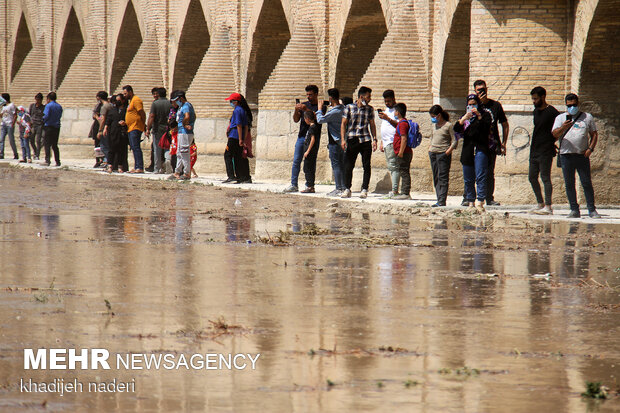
x,y
577,136
388,129
9,116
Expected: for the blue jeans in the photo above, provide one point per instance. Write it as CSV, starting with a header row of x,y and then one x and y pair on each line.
x,y
577,162
134,144
8,130
25,146
298,156
476,178
336,155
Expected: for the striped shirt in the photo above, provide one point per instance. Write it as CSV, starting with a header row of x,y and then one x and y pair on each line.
x,y
358,119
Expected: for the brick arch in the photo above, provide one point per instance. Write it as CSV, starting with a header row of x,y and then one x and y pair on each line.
x,y
128,41
600,65
270,37
22,46
363,34
193,44
71,44
454,83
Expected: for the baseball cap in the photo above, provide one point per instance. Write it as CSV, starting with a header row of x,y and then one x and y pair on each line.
x,y
234,96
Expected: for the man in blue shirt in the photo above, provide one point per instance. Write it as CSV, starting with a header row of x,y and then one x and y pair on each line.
x,y
186,117
237,132
51,125
333,118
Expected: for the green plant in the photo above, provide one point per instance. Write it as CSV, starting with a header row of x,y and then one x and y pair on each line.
x,y
410,383
595,390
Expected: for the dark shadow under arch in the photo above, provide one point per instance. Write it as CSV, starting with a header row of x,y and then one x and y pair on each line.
x,y
270,38
127,45
72,44
455,70
363,34
193,45
23,46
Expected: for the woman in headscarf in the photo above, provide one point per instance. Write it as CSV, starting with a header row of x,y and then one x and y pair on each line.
x,y
475,127
116,131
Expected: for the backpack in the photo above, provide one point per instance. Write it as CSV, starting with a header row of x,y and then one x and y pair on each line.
x,y
414,137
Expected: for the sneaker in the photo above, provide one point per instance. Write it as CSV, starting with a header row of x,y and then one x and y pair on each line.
x,y
437,205
36,158
390,195
58,164
493,203
229,180
184,178
308,190
22,161
537,208
335,192
290,189
364,194
150,169
574,214
544,211
465,202
594,214
402,197
244,181
346,193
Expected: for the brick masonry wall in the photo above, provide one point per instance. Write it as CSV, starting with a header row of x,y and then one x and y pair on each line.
x,y
427,50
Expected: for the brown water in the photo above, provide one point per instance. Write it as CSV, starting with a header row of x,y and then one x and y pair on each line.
x,y
321,309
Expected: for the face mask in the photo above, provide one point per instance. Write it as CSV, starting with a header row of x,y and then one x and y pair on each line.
x,y
573,110
364,103
471,107
434,120
232,105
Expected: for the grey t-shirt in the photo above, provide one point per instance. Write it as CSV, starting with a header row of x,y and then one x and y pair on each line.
x,y
160,108
105,108
577,138
442,138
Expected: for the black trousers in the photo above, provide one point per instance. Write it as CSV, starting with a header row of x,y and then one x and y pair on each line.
x,y
117,153
440,164
354,148
237,167
541,165
491,176
51,142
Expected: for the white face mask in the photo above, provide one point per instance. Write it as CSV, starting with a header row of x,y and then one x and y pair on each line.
x,y
363,101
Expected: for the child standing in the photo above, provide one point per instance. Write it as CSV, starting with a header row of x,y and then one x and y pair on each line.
x,y
25,126
311,149
404,154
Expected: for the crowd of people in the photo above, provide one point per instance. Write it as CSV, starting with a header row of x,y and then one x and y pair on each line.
x,y
120,120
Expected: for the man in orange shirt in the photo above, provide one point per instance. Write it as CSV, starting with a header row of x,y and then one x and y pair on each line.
x,y
134,119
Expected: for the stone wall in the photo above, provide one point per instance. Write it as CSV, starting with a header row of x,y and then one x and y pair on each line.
x,y
428,51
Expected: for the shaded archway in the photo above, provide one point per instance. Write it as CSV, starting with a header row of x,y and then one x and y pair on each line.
x,y
454,85
72,44
270,38
599,88
127,45
23,45
363,34
193,44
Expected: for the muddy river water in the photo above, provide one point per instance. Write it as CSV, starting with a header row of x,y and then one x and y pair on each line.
x,y
350,311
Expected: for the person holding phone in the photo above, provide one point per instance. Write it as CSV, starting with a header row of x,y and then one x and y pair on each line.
x,y
312,93
578,136
474,126
332,116
386,145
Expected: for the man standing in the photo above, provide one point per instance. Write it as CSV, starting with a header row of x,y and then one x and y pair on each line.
x,y
9,116
542,149
148,132
134,119
577,136
186,117
333,118
312,93
106,107
36,115
496,146
51,126
388,130
158,124
357,130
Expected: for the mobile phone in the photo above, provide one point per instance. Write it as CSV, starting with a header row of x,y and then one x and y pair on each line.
x,y
297,101
326,103
569,117
380,111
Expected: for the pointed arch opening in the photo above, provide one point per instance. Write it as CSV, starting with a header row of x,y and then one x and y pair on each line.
x,y
270,38
72,44
454,85
23,45
599,88
363,34
193,44
127,45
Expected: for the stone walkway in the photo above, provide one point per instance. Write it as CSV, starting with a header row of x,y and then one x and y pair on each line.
x,y
610,213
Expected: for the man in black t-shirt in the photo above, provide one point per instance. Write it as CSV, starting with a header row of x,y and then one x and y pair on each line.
x,y
542,149
496,146
312,93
